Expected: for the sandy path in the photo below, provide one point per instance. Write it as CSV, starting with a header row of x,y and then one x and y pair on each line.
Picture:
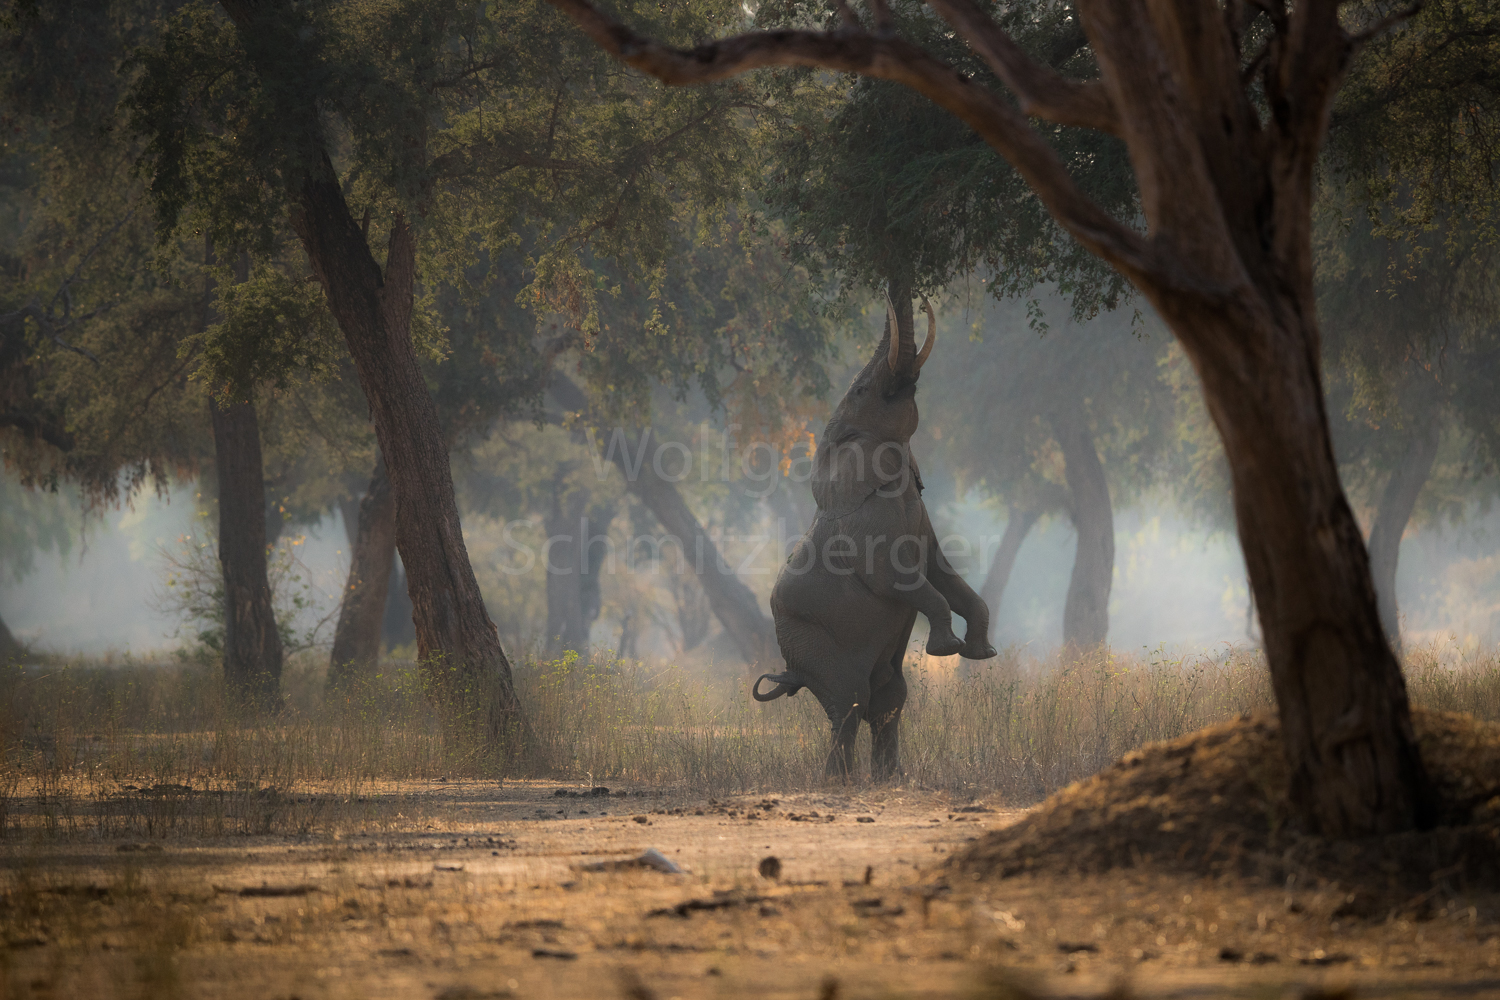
x,y
477,891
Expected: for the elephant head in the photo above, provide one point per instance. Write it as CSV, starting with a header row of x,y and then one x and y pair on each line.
x,y
864,447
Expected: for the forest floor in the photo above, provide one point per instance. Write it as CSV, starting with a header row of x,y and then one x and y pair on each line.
x,y
476,890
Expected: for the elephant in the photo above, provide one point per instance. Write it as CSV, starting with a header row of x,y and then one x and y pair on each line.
x,y
845,601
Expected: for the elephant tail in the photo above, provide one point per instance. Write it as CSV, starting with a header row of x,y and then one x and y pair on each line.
x,y
786,684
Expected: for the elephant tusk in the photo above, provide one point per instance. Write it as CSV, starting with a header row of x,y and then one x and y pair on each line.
x,y
931,333
892,333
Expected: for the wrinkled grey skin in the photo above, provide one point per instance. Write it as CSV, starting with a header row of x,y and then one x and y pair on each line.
x,y
847,598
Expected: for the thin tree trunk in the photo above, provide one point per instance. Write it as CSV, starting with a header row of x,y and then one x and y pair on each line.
x,y
11,649
595,551
357,637
252,644
1086,613
733,602
694,613
458,647
565,566
1396,505
1018,524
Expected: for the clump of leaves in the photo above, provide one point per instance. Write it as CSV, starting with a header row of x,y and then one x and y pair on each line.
x,y
193,593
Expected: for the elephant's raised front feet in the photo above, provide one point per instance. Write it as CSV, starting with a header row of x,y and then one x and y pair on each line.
x,y
941,641
980,650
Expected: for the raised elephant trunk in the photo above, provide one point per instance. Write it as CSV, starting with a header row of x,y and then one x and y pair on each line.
x,y
905,344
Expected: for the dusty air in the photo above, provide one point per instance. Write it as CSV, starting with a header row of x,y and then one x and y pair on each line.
x,y
845,499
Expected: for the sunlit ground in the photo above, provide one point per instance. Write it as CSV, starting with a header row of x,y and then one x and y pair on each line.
x,y
342,850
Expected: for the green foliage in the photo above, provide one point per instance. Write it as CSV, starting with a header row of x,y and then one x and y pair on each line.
x,y
90,357
215,146
193,593
272,328
481,123
1416,130
95,360
880,184
727,317
880,187
317,447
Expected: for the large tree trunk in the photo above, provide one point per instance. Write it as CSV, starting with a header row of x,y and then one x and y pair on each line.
x,y
1018,524
458,647
357,637
252,644
1396,505
1345,721
1086,613
466,671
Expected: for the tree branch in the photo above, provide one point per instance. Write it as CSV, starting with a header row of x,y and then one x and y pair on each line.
x,y
1389,21
468,71
458,161
1041,90
48,328
994,119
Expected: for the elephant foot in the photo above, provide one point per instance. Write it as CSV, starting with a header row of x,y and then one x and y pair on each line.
x,y
979,651
838,772
943,643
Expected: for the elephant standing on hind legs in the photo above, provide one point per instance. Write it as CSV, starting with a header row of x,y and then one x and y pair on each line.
x,y
846,600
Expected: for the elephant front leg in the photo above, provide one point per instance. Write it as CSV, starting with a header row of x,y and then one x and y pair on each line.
x,y
963,600
905,580
924,597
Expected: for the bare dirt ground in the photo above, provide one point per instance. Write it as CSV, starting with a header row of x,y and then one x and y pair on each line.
x,y
474,890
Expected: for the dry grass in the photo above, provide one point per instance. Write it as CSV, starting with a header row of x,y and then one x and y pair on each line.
x,y
149,750
361,872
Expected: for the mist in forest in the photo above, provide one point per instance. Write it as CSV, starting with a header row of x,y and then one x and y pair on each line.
x,y
1006,381
1176,585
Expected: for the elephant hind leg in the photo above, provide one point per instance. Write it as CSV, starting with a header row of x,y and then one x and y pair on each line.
x,y
845,718
846,710
884,717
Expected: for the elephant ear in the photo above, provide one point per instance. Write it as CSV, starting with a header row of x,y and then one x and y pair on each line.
x,y
847,471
